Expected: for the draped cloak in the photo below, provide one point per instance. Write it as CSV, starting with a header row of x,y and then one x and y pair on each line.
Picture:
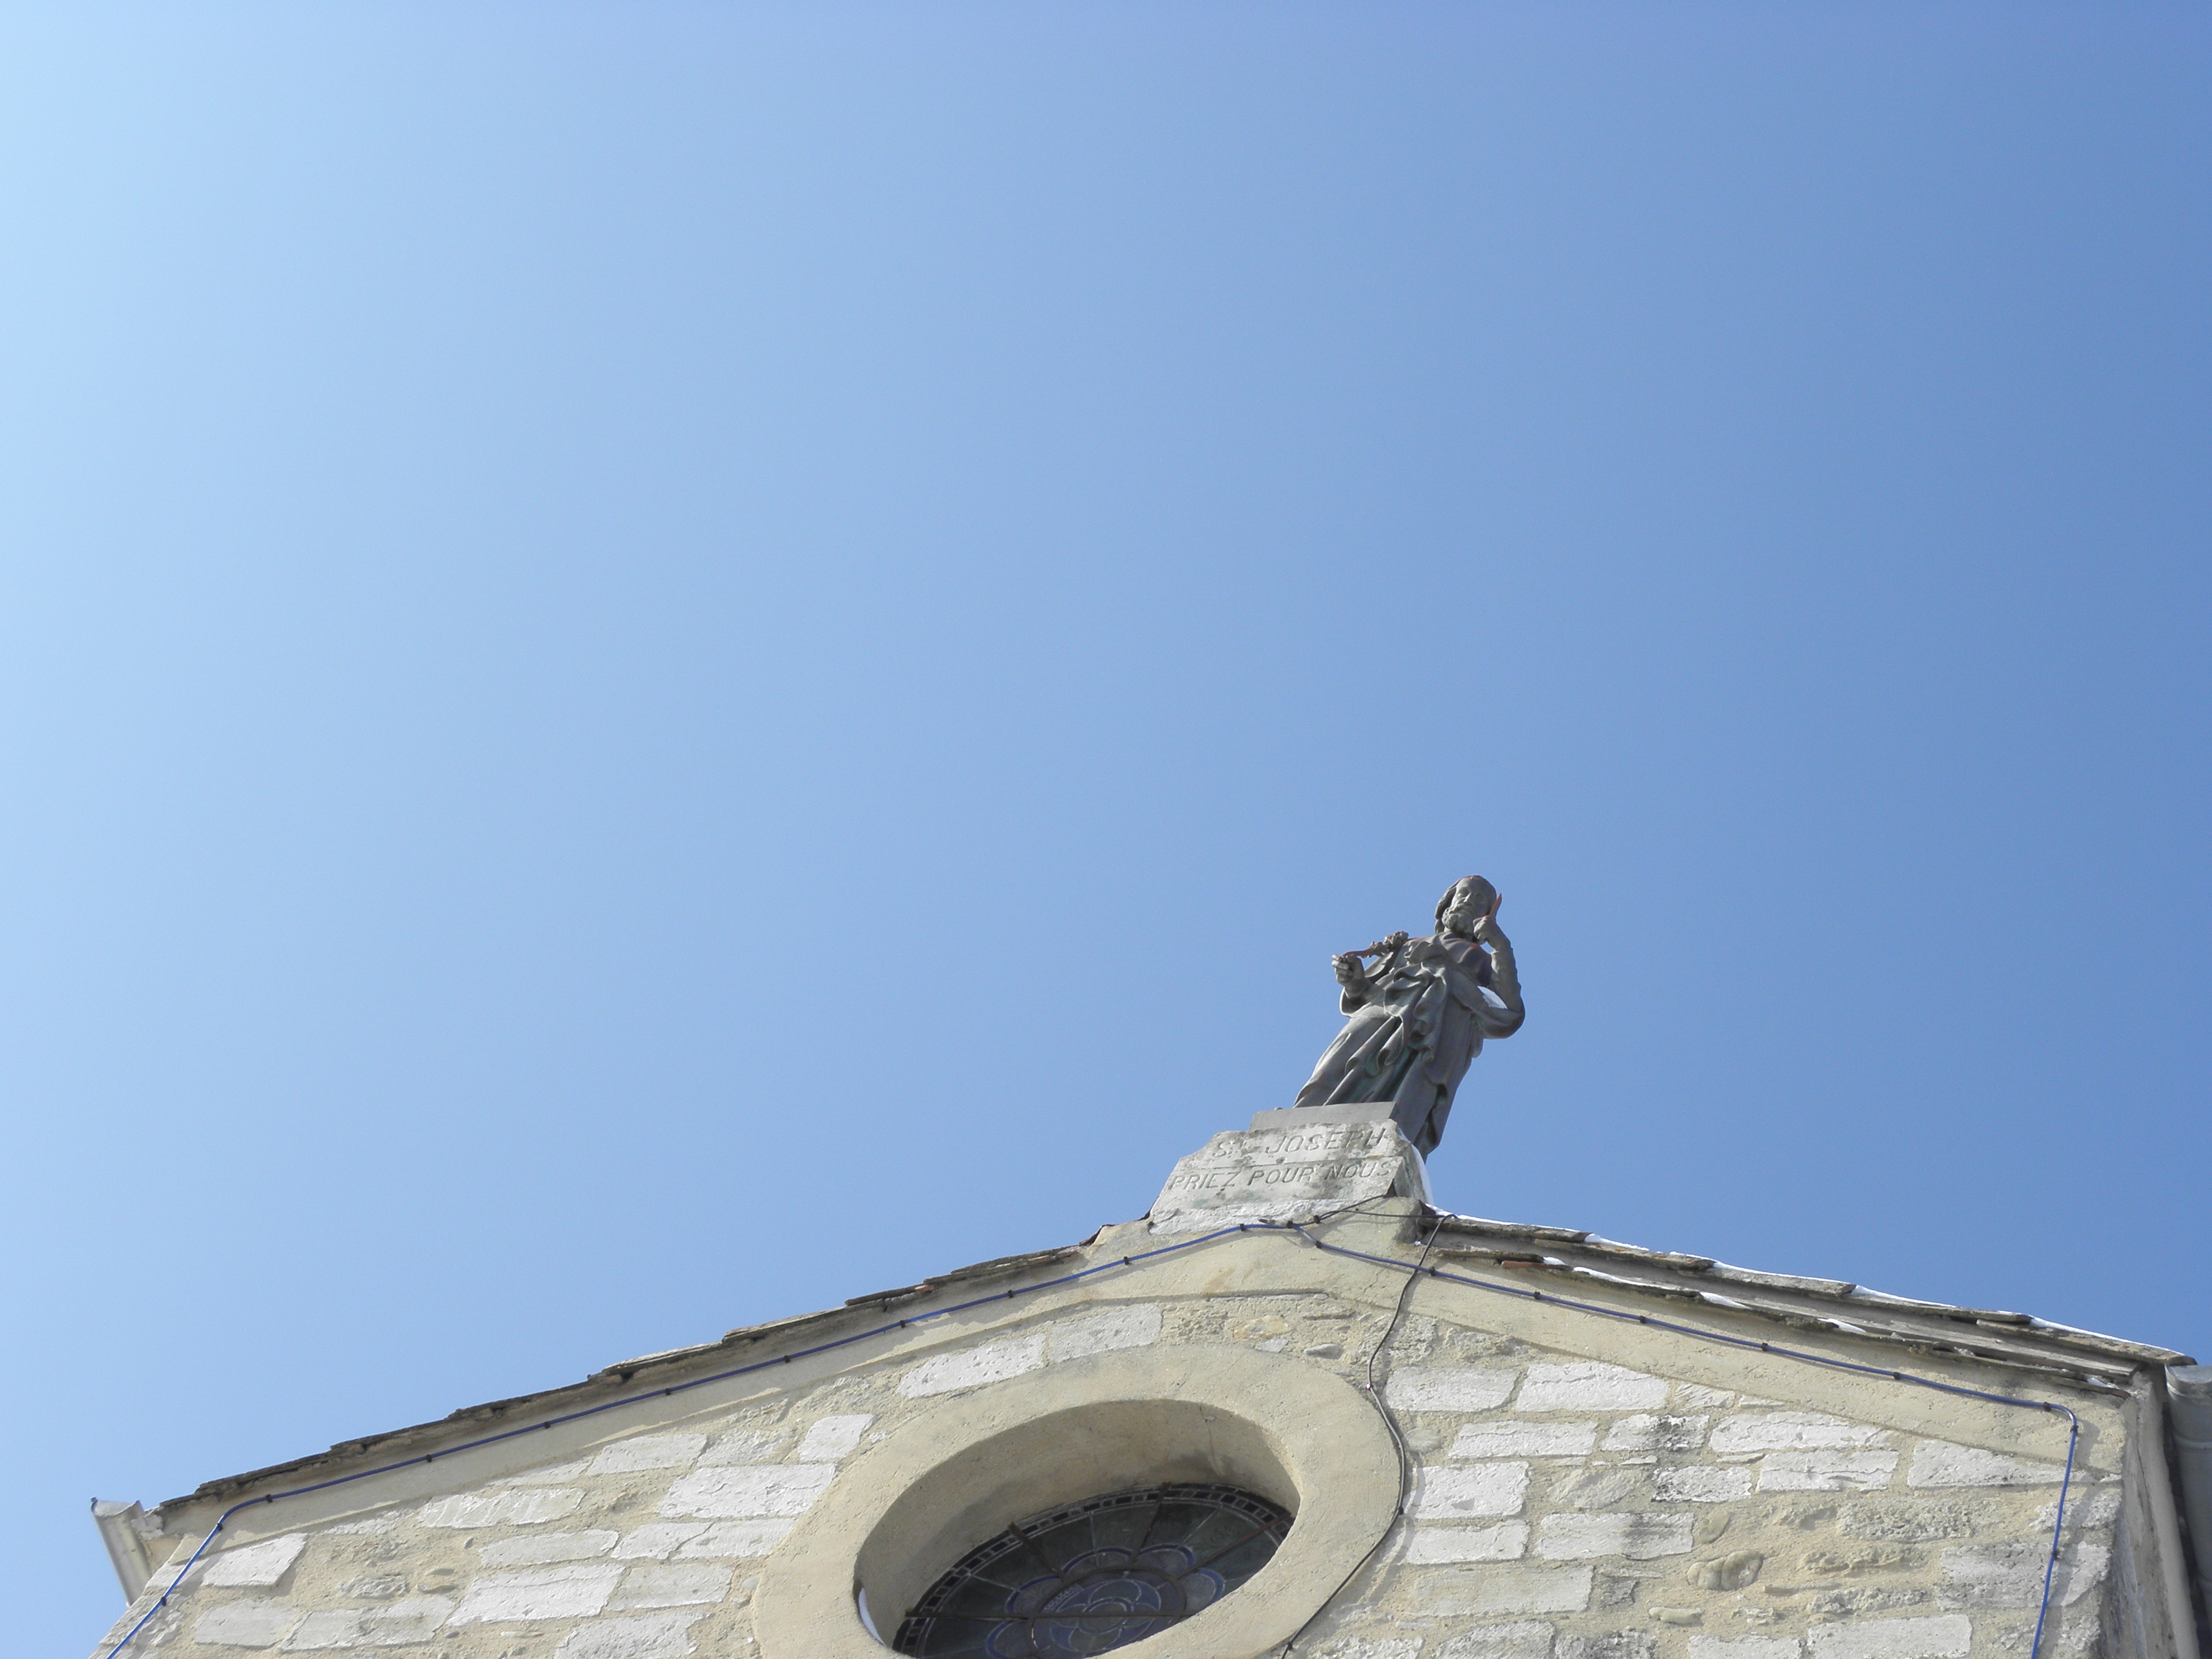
x,y
1416,1023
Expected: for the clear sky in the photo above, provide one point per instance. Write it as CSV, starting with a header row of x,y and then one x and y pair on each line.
x,y
662,664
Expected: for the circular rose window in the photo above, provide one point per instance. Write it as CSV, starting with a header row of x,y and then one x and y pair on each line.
x,y
1093,1576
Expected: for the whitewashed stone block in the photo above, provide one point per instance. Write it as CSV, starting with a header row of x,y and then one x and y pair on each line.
x,y
1458,1494
1747,1647
167,1574
994,1362
1384,1647
741,1494
401,1624
1502,1592
2011,1574
1639,1535
683,1585
648,1451
2084,1511
744,1446
1588,1385
833,1437
1448,1388
1701,1485
1597,1487
1511,1439
1503,1542
1507,1542
1827,1471
1118,1327
243,1625
656,1636
1524,1640
255,1565
1939,1463
729,1540
657,1540
1644,1432
1893,1638
1765,1431
576,1592
522,1508
537,1549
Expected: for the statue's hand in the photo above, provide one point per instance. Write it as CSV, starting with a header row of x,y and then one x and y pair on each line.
x,y
1486,931
1349,971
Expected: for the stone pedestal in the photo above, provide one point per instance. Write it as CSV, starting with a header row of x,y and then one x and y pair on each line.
x,y
1290,1166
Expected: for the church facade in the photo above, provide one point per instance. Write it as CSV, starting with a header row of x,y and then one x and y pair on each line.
x,y
1293,1410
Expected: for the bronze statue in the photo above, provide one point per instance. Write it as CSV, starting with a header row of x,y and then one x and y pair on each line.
x,y
1418,1014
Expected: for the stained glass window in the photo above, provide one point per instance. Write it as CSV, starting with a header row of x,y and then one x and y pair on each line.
x,y
1090,1577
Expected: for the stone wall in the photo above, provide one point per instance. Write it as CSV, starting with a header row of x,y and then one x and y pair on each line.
x,y
1583,1488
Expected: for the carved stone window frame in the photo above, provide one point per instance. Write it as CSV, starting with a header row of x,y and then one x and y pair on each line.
x,y
912,1506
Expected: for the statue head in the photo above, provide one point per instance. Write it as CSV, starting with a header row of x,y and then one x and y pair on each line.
x,y
1465,903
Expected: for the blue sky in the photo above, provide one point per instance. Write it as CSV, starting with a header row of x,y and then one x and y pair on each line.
x,y
664,664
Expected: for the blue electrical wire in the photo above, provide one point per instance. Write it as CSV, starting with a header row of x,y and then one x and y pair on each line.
x,y
1414,1270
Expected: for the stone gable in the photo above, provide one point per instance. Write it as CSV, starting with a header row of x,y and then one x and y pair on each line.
x,y
1579,1485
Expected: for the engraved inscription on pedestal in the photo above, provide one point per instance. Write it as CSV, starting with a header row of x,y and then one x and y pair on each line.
x,y
1275,1174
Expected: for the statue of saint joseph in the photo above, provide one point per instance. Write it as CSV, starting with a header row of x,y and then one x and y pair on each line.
x,y
1419,1013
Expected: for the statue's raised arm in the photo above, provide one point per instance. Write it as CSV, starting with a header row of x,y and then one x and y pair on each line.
x,y
1418,1010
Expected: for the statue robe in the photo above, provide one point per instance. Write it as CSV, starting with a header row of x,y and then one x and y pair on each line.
x,y
1416,1024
